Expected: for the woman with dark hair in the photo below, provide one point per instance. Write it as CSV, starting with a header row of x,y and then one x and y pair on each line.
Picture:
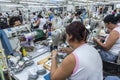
x,y
15,21
111,46
84,63
40,22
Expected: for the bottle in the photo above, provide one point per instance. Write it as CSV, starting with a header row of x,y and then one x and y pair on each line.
x,y
24,53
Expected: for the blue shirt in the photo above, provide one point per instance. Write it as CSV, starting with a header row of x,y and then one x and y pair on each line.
x,y
51,17
5,43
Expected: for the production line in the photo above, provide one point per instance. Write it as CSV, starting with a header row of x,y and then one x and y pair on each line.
x,y
17,63
64,40
20,66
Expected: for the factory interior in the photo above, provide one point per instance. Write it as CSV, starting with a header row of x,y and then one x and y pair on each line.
x,y
59,39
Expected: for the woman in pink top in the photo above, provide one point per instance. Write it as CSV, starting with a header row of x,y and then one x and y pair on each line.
x,y
84,63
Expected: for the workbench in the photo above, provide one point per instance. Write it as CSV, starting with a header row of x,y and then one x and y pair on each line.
x,y
23,75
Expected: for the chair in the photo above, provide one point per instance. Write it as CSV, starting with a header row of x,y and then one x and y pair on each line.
x,y
111,68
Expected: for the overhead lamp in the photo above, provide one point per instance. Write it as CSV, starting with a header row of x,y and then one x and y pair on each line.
x,y
29,3
5,0
15,1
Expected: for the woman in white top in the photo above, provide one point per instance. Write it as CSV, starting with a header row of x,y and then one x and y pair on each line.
x,y
41,22
111,46
84,63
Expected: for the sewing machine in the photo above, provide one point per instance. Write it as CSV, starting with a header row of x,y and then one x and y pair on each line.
x,y
96,29
58,36
13,33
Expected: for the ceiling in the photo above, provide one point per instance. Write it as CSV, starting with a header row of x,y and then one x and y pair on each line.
x,y
58,2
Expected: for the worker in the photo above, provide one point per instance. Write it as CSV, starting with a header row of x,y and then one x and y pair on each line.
x,y
15,21
111,46
84,63
41,21
34,17
79,13
51,15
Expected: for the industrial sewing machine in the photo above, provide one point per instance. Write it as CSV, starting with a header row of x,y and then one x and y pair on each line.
x,y
14,33
96,29
58,36
57,40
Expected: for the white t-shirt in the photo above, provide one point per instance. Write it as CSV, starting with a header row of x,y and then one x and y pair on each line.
x,y
116,47
88,64
75,19
42,22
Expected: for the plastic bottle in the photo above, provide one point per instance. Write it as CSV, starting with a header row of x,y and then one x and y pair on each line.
x,y
24,53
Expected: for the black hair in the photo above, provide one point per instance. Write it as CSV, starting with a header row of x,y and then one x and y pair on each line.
x,y
79,12
76,14
0,14
115,10
39,16
77,30
111,18
13,19
118,17
34,13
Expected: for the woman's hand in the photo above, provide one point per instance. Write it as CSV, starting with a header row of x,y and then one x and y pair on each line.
x,y
96,40
54,53
66,50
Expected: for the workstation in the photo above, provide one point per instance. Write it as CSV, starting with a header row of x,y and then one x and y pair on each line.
x,y
59,40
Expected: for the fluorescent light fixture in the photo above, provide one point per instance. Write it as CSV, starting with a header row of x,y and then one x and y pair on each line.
x,y
5,0
14,5
29,2
56,0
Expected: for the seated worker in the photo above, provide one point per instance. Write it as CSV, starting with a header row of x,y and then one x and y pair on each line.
x,y
111,46
40,22
15,21
84,63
